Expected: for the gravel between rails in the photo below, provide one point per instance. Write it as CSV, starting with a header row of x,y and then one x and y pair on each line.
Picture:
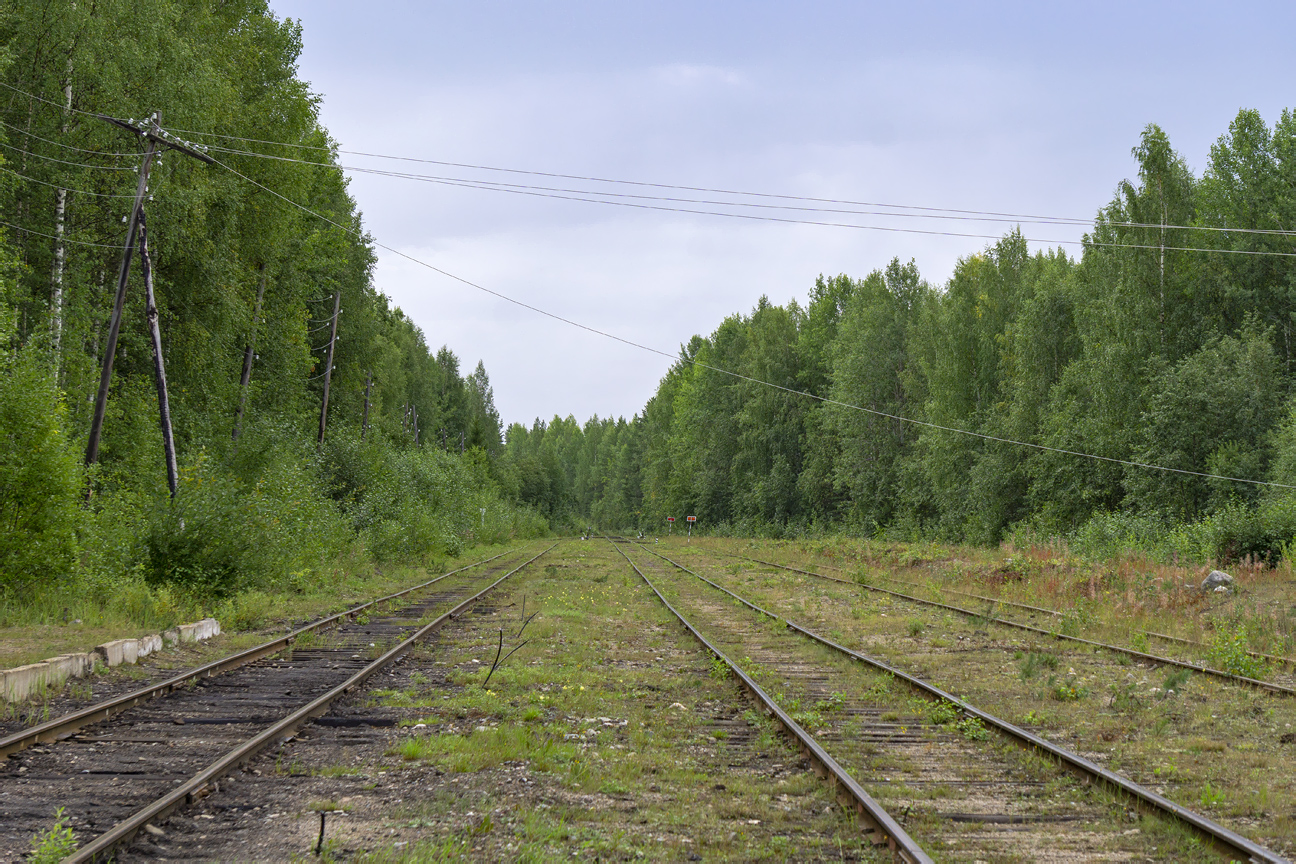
x,y
632,750
963,798
106,772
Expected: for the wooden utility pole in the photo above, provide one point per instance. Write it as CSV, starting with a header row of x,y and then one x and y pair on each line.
x,y
328,369
154,138
114,325
159,368
364,420
249,353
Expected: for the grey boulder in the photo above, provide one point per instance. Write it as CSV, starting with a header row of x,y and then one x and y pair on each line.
x,y
1216,580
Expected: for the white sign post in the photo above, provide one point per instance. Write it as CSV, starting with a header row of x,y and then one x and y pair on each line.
x,y
670,525
691,520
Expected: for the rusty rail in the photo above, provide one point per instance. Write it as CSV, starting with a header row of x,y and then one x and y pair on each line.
x,y
886,830
1223,838
1166,637
197,785
1267,686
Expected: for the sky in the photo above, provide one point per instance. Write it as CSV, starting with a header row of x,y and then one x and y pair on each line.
x,y
1018,108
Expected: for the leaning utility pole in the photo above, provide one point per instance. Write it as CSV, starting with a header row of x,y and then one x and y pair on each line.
x,y
249,354
154,138
159,368
328,369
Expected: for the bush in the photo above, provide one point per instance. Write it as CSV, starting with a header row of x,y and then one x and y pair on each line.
x,y
40,476
221,536
413,504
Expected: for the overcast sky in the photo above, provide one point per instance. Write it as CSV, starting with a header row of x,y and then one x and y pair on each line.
x,y
1022,108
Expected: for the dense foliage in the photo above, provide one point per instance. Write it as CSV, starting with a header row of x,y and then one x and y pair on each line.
x,y
1141,349
262,504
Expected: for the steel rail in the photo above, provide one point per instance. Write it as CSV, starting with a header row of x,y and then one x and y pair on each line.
x,y
1274,658
1222,837
888,832
1154,658
196,786
61,727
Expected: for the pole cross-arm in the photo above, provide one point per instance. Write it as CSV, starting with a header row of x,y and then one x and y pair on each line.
x,y
155,133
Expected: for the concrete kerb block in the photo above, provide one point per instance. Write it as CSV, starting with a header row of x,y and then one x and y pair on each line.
x,y
199,631
118,651
23,681
149,644
74,665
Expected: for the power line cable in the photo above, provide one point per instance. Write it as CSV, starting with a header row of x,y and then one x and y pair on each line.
x,y
588,196
790,221
60,144
475,184
748,378
930,212
1033,218
65,162
55,237
59,186
60,106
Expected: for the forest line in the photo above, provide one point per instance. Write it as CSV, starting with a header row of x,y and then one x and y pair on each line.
x,y
1143,348
1147,351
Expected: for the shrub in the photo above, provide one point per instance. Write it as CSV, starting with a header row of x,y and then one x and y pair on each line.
x,y
221,535
1228,651
40,476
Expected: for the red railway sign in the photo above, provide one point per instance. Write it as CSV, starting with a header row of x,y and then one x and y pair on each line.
x,y
691,518
670,518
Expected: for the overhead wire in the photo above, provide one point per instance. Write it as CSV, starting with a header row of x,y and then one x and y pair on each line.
x,y
65,162
978,215
60,144
63,239
599,197
64,188
892,229
930,212
720,370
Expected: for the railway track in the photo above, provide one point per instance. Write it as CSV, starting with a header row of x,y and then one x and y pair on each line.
x,y
148,756
962,796
1276,659
1200,667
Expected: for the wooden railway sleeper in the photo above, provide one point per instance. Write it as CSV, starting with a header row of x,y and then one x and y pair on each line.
x,y
102,846
881,828
1218,835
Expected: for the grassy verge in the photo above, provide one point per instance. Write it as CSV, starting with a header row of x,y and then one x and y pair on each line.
x,y
32,634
